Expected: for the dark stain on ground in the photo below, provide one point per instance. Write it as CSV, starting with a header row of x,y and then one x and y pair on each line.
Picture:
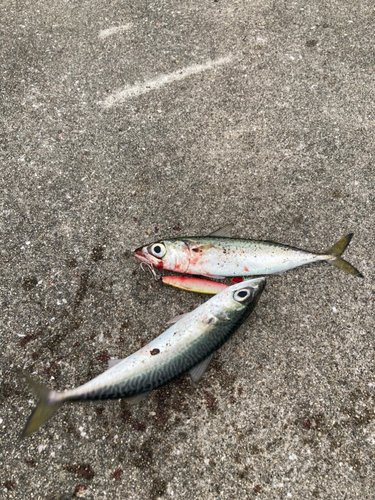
x,y
117,474
210,401
311,43
145,456
71,320
8,389
52,370
163,404
29,283
10,485
25,340
158,488
358,416
355,463
127,254
336,194
128,418
297,220
97,253
99,410
254,449
82,290
71,428
104,357
30,462
243,473
307,424
81,470
125,325
139,426
220,375
126,414
79,491
53,341
71,263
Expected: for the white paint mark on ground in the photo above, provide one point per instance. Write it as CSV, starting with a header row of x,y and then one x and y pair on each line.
x,y
160,81
112,31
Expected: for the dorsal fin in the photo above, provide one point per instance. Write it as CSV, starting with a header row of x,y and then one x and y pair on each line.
x,y
223,232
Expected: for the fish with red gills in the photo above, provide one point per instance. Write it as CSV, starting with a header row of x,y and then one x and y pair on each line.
x,y
219,256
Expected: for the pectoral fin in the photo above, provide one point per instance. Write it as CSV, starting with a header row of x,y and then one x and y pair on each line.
x,y
134,400
198,370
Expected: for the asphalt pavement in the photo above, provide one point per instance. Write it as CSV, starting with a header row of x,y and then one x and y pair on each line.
x,y
127,122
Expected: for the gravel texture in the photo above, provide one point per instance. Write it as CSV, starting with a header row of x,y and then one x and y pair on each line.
x,y
186,117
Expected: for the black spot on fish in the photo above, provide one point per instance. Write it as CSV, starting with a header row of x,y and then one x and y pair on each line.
x,y
154,351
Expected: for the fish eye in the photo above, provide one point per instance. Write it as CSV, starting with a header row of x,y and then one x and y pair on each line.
x,y
241,295
158,250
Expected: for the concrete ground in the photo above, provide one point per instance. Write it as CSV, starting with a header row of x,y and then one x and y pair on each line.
x,y
125,122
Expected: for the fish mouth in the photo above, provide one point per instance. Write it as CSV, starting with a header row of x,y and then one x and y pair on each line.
x,y
139,254
259,283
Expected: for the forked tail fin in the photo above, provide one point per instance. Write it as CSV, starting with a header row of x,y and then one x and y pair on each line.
x,y
337,261
45,408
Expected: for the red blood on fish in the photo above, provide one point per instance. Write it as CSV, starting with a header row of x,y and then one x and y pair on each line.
x,y
236,280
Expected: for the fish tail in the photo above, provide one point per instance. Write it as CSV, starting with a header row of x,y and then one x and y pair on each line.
x,y
336,259
49,403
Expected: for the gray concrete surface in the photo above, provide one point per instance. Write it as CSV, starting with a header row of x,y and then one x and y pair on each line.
x,y
188,116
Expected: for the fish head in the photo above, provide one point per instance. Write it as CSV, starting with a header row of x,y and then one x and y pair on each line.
x,y
172,255
237,302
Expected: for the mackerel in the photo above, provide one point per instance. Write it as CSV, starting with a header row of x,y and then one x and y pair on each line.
x,y
186,347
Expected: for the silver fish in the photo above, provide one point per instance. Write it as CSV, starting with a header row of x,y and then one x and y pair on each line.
x,y
187,346
218,256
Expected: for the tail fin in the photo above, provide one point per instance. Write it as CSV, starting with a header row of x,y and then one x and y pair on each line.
x,y
336,260
46,407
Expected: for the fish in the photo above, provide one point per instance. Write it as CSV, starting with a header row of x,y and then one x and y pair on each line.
x,y
186,347
218,256
196,285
